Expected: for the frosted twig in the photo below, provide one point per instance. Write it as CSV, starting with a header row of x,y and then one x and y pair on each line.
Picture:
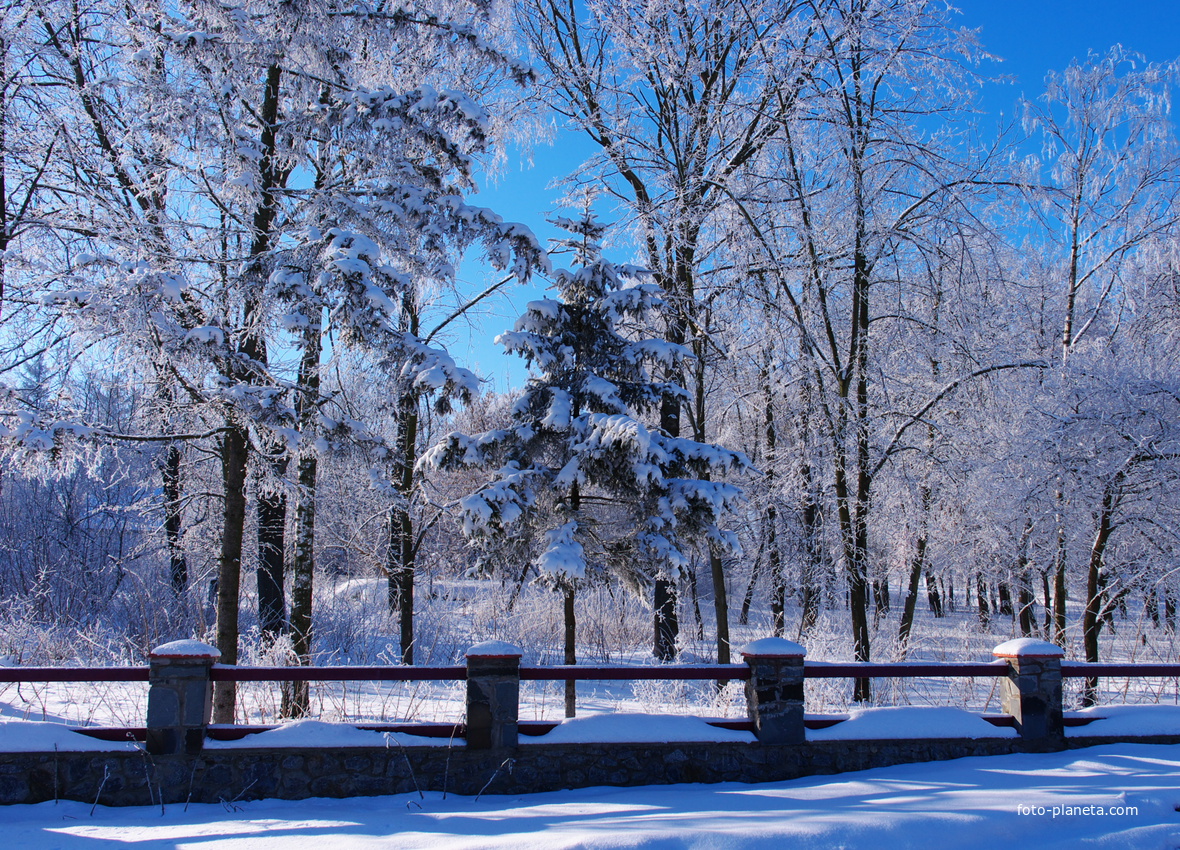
x,y
409,767
106,773
507,762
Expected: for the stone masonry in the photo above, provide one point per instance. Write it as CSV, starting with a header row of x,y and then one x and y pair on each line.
x,y
1031,692
174,767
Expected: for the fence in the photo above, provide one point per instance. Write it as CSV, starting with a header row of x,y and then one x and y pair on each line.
x,y
181,676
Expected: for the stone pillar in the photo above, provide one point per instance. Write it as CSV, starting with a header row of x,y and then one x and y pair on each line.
x,y
1031,692
774,691
180,697
493,695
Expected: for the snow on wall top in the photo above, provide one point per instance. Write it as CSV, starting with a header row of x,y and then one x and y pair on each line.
x,y
317,733
1128,720
495,649
772,646
35,736
1028,648
636,728
185,649
910,721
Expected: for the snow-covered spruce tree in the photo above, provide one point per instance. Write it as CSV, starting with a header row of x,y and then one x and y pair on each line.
x,y
579,479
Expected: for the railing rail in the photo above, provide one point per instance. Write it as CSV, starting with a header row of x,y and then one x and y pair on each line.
x,y
670,672
1083,669
231,673
902,670
73,674
590,672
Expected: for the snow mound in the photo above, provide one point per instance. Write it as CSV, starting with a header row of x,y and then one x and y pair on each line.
x,y
186,649
34,736
1128,720
910,722
495,649
774,647
636,729
1028,647
317,733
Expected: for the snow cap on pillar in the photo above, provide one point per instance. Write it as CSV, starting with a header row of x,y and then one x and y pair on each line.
x,y
185,649
1028,648
495,649
773,647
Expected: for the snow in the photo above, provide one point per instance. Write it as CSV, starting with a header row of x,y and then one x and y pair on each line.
x,y
32,736
498,501
208,334
186,648
1128,720
603,390
660,352
317,733
433,378
636,728
1047,801
546,308
563,555
560,410
911,721
1028,648
773,647
495,649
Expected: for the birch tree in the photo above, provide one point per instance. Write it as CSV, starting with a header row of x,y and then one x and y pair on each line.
x,y
1109,178
248,168
679,98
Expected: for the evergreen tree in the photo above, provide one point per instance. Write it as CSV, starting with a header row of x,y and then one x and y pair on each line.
x,y
580,480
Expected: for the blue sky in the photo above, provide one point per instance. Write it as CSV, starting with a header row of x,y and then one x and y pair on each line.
x,y
1031,37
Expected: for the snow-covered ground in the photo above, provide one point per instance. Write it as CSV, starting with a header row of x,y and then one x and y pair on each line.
x,y
1123,796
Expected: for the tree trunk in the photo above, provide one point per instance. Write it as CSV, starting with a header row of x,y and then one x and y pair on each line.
x,y
667,624
1059,589
240,369
813,557
1028,613
934,598
752,585
778,581
853,499
303,572
1048,605
1152,606
307,407
720,606
981,596
1095,592
272,526
694,593
1005,594
881,601
911,598
571,649
778,584
177,564
234,458
401,553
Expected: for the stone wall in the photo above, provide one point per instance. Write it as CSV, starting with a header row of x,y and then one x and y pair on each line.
x,y
226,775
175,767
